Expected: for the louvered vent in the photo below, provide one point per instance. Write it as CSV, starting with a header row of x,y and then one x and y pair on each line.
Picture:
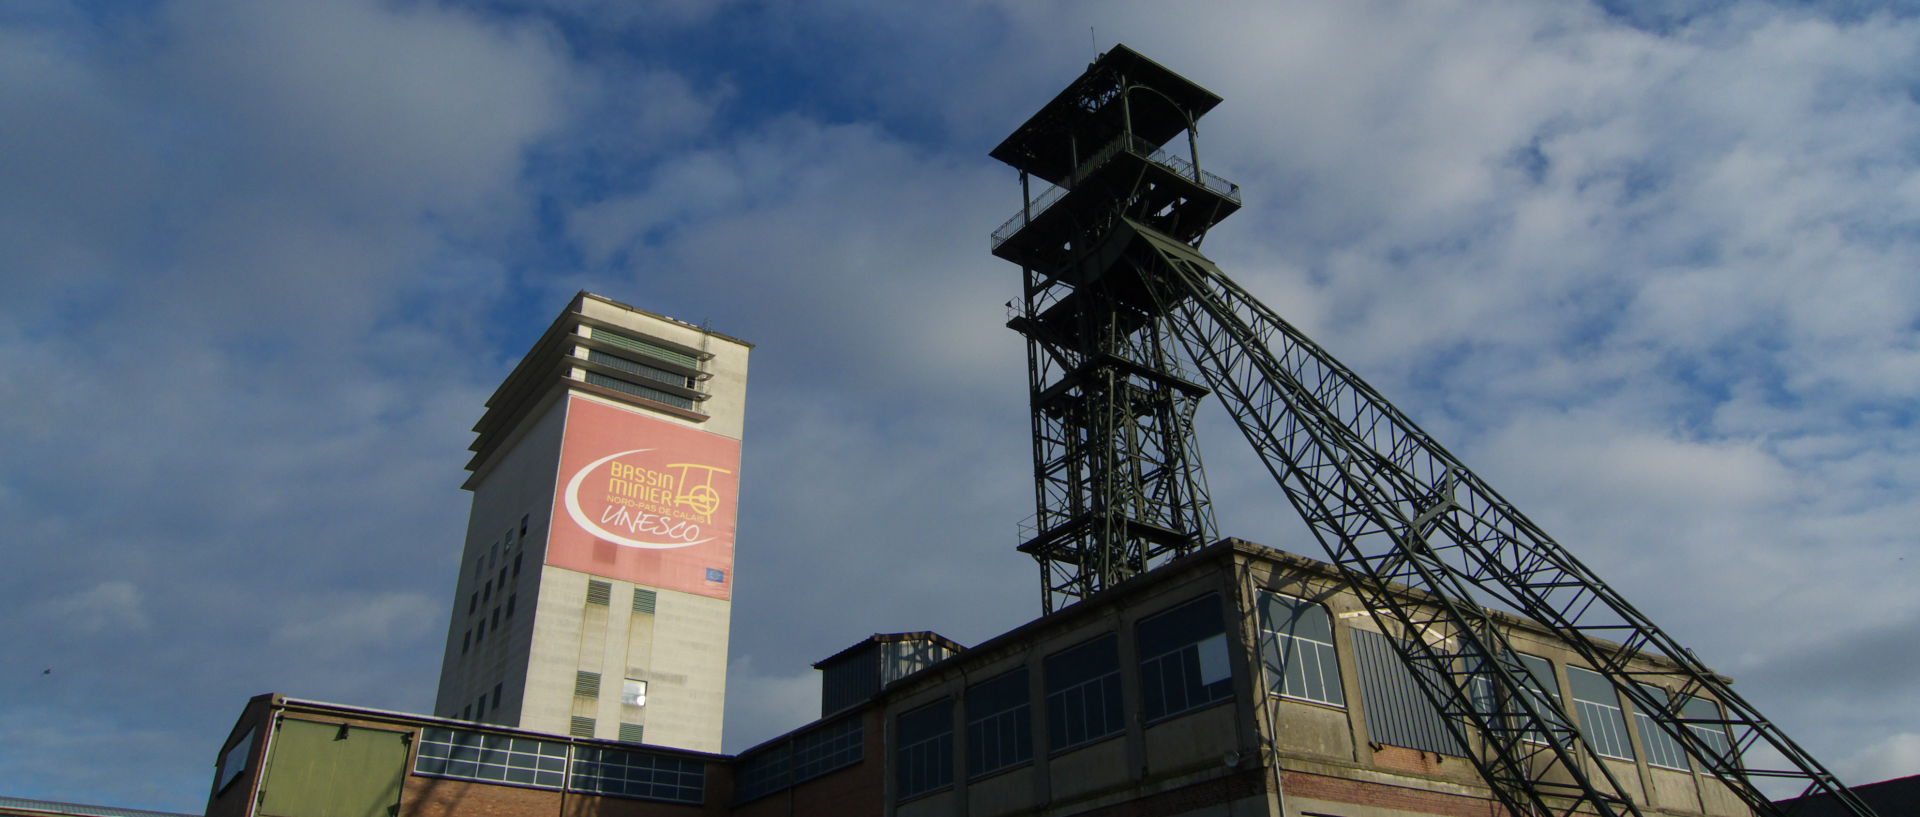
x,y
652,350
630,732
599,592
581,728
586,684
644,600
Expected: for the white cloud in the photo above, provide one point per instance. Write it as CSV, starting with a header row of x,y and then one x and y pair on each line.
x,y
1895,756
109,605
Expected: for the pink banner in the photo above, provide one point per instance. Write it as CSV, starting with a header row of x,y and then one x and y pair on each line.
x,y
645,500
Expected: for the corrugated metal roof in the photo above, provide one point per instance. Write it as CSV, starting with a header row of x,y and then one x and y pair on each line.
x,y
21,804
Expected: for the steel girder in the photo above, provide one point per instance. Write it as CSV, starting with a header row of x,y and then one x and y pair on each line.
x,y
1392,507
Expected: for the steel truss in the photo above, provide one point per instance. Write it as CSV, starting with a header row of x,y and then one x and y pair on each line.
x,y
1119,485
1394,510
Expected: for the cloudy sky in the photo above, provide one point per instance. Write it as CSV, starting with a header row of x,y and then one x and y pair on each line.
x,y
1649,267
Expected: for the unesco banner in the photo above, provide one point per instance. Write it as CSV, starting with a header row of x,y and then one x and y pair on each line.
x,y
644,500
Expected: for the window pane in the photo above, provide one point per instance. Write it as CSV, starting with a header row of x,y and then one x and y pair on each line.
x,y
1083,693
999,723
1170,644
924,757
1602,720
1297,647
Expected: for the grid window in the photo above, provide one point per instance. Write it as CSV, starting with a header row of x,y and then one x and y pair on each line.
x,y
1083,693
1662,749
1713,734
476,756
1296,645
923,761
762,773
1602,720
641,775
1538,680
1183,659
999,723
834,746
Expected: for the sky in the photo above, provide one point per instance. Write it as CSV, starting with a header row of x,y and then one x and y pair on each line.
x,y
1648,268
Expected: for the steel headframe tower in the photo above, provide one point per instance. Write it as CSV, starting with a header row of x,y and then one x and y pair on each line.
x,y
1115,282
1118,482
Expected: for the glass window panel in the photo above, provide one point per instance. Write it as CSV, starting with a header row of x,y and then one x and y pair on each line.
x,y
1170,666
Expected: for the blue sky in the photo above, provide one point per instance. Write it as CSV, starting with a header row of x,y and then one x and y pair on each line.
x,y
1648,268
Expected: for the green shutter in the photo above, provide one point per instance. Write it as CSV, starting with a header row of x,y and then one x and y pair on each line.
x,y
644,600
586,684
333,770
581,727
599,592
631,732
652,350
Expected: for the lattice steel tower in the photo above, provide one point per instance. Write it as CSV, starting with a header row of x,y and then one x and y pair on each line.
x,y
1117,292
1118,482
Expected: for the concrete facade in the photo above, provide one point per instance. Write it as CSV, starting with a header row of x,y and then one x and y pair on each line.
x,y
556,648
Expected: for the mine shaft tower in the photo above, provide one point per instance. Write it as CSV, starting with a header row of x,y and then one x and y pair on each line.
x,y
1118,306
1119,487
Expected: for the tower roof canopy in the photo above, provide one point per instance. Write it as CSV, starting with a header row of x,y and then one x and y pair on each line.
x,y
1086,115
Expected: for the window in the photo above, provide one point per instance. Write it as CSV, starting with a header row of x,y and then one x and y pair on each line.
x,y
496,697
496,618
1398,712
1183,659
834,746
1537,679
586,684
1083,693
1602,720
523,528
465,639
473,603
637,390
642,775
645,347
653,373
510,600
633,692
234,761
486,593
475,756
762,773
1296,644
502,581
599,592
632,732
1704,715
466,712
480,706
923,761
1662,749
999,723
644,601
516,565
580,727
480,632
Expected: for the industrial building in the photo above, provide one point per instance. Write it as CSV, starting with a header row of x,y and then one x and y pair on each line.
x,y
1174,673
1235,680
595,586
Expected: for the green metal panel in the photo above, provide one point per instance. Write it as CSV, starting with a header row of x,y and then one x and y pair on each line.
x,y
330,770
645,348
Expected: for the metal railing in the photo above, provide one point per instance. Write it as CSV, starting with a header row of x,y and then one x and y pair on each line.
x,y
1136,146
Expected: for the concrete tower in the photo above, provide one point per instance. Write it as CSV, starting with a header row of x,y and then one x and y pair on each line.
x,y
597,580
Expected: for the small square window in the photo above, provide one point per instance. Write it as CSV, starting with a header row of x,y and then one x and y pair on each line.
x,y
633,692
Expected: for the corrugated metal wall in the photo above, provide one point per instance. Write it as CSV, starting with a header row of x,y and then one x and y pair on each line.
x,y
1397,713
